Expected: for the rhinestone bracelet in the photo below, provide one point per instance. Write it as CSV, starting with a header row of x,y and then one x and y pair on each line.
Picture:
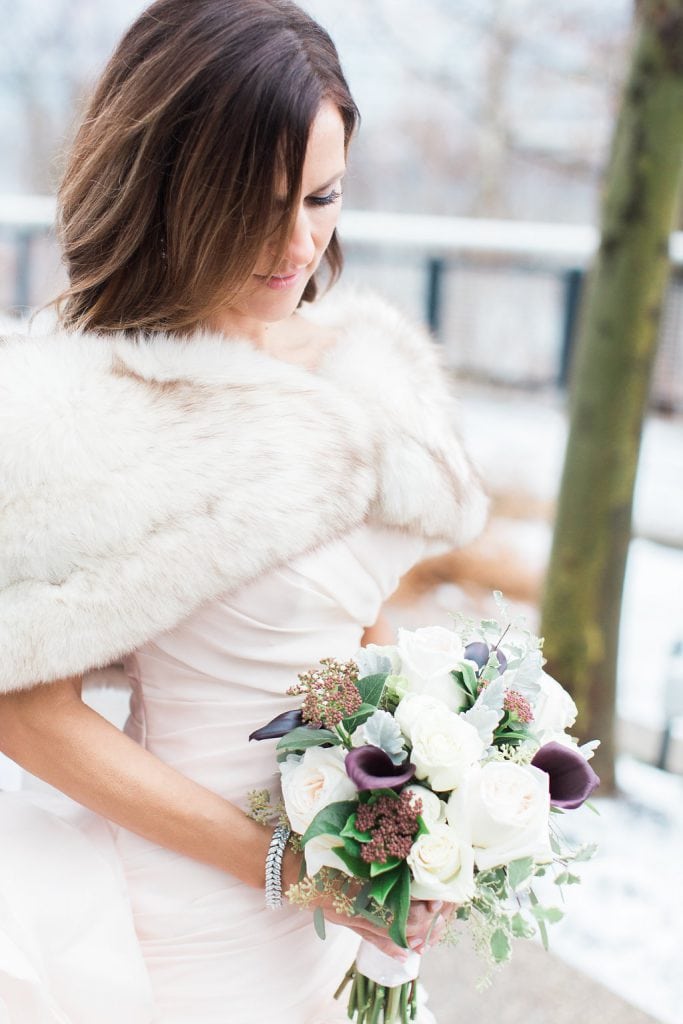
x,y
274,857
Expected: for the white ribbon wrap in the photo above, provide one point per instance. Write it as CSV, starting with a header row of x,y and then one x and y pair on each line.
x,y
384,969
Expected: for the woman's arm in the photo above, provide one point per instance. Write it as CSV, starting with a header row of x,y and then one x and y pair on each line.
x,y
381,632
50,732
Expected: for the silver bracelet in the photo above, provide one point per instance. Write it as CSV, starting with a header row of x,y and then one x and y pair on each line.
x,y
276,852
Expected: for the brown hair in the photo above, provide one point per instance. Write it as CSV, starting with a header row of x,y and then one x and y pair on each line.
x,y
202,114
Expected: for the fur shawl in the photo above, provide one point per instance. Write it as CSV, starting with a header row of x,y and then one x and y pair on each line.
x,y
139,479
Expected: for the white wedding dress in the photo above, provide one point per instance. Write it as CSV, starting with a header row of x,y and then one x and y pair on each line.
x,y
100,926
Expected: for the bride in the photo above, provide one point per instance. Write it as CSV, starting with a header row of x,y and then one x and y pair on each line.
x,y
215,477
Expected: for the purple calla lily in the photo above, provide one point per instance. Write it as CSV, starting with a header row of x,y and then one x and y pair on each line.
x,y
572,780
370,767
278,726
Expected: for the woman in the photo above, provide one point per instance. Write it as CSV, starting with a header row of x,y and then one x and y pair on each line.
x,y
218,485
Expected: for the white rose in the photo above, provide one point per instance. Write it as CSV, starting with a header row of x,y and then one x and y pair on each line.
x,y
319,852
506,807
433,810
442,863
312,782
412,706
554,709
444,747
427,657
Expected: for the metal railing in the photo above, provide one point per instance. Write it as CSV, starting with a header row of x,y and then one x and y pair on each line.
x,y
437,247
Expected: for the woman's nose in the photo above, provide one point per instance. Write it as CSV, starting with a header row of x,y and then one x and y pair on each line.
x,y
301,245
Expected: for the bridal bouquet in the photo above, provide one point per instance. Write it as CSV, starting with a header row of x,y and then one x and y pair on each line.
x,y
432,770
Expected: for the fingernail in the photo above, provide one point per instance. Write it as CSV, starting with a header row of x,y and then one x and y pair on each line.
x,y
415,943
436,907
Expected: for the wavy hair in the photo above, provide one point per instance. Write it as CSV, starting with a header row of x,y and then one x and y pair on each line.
x,y
201,116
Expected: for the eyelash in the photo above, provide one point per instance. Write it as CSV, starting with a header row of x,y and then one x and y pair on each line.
x,y
327,200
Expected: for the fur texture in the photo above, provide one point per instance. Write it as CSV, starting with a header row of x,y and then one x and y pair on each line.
x,y
139,479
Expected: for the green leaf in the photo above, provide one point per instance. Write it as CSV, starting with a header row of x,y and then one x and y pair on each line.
x,y
371,688
466,677
383,884
500,946
355,864
422,829
319,922
562,878
520,871
330,820
376,868
398,902
362,897
550,914
541,924
303,738
585,852
521,929
359,716
352,832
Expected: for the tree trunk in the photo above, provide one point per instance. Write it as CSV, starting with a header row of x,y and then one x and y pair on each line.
x,y
610,379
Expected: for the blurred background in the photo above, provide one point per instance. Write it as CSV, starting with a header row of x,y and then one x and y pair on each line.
x,y
472,201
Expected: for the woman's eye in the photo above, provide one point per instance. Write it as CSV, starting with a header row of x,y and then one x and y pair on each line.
x,y
327,200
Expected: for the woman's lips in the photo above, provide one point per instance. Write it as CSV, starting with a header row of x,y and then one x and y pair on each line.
x,y
279,282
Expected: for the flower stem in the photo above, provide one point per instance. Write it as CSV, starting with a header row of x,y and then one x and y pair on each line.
x,y
352,999
378,1006
345,980
392,1004
405,990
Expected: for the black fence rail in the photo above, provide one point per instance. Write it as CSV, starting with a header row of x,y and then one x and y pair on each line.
x,y
503,297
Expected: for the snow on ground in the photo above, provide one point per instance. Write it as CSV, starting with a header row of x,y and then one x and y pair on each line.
x,y
623,924
517,440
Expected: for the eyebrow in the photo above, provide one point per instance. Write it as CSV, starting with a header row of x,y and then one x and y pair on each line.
x,y
327,184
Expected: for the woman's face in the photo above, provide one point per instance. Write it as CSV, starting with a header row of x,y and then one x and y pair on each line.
x,y
266,299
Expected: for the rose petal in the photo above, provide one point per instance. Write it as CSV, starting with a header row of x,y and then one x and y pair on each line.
x,y
572,780
278,726
369,767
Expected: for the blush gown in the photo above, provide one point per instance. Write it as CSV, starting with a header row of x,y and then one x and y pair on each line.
x,y
100,926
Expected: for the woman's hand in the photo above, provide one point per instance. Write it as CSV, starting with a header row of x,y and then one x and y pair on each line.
x,y
426,919
425,926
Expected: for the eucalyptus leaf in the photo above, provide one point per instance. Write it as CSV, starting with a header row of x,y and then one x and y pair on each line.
x,y
303,738
319,923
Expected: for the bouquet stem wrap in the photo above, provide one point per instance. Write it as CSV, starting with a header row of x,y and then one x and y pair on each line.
x,y
383,990
384,969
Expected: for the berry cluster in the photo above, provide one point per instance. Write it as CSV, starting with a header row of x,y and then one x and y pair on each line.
x,y
392,823
330,692
518,706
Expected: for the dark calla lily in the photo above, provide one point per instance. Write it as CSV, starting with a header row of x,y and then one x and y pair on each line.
x,y
370,767
479,653
572,780
278,726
